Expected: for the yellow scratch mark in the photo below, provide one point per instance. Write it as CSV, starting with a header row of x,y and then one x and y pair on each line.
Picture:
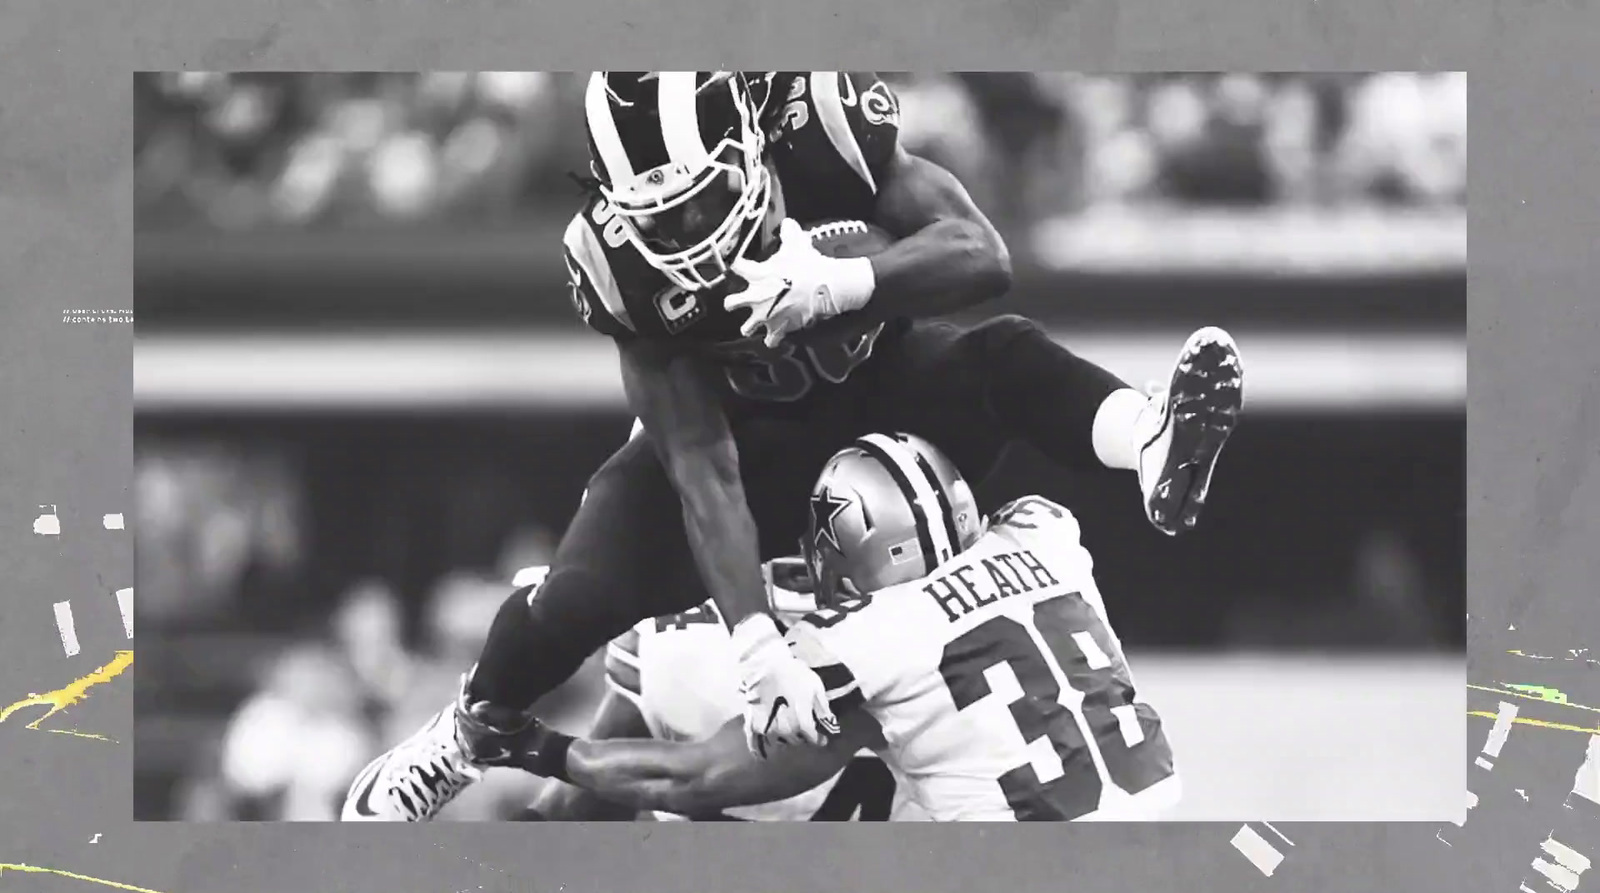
x,y
34,869
1543,700
70,694
1553,695
1524,721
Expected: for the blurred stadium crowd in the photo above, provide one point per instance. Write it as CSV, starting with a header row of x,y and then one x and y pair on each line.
x,y
236,614
309,594
249,150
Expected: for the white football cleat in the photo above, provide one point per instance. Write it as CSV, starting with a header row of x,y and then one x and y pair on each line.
x,y
413,780
1185,429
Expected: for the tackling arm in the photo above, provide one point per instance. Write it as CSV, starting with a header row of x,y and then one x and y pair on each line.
x,y
617,717
710,775
672,395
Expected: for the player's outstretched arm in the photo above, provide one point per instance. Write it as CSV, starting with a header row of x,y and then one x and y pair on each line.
x,y
617,717
672,394
784,701
706,776
949,257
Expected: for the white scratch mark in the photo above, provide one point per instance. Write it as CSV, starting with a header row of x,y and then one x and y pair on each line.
x,y
1257,850
1563,873
1471,803
1279,833
1504,717
125,606
95,838
112,522
1569,865
1587,782
1523,794
47,524
69,635
1443,841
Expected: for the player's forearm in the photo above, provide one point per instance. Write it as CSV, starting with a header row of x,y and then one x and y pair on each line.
x,y
647,775
947,267
722,536
560,802
949,256
673,396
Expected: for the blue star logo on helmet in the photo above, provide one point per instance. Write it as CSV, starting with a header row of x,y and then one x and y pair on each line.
x,y
826,507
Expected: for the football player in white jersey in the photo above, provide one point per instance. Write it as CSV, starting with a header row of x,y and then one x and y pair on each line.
x,y
975,655
675,678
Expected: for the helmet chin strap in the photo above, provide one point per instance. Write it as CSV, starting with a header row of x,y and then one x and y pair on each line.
x,y
793,603
775,209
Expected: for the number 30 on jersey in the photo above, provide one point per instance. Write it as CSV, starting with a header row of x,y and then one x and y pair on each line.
x,y
788,373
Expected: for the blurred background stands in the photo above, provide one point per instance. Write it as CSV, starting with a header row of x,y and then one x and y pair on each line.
x,y
312,583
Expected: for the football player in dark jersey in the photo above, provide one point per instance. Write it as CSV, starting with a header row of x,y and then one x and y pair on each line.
x,y
750,357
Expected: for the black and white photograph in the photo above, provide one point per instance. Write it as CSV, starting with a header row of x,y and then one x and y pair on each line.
x,y
799,446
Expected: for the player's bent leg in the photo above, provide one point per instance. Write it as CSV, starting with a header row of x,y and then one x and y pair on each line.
x,y
622,559
1082,416
1049,396
542,634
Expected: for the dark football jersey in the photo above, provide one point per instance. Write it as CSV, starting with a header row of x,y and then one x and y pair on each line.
x,y
830,138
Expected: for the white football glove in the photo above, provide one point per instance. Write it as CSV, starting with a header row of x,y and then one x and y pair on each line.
x,y
797,286
785,702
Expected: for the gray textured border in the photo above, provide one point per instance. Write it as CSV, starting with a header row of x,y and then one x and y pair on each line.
x,y
65,240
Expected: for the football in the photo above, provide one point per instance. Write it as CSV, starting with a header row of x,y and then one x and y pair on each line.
x,y
849,238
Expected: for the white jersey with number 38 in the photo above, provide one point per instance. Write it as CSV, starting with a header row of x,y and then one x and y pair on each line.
x,y
1001,690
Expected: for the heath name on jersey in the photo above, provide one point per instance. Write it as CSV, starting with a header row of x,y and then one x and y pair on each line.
x,y
830,136
1001,690
681,673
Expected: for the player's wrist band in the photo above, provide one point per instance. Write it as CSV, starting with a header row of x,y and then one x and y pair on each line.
x,y
855,283
550,760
